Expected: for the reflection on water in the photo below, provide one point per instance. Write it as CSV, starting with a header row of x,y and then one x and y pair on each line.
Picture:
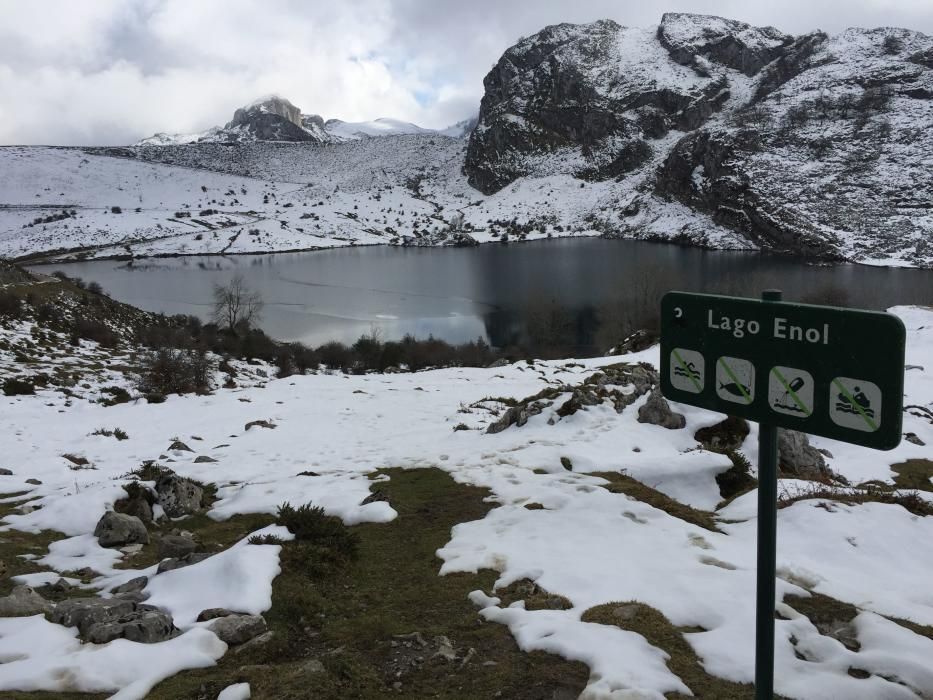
x,y
576,293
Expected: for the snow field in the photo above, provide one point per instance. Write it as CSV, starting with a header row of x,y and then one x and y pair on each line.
x,y
587,544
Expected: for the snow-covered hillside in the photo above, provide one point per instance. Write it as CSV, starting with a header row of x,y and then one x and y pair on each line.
x,y
854,613
267,197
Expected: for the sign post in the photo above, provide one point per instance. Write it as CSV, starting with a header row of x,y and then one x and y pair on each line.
x,y
767,550
822,370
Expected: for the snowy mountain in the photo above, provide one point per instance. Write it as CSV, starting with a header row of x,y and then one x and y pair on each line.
x,y
813,144
274,118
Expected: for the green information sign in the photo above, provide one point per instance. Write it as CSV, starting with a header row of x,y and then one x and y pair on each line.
x,y
822,370
817,369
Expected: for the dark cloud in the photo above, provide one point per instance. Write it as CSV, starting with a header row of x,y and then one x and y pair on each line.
x,y
112,71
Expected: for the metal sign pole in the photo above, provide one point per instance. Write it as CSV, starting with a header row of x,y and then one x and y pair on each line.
x,y
767,549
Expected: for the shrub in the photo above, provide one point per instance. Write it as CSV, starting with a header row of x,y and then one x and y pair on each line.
x,y
95,288
265,539
174,371
118,433
18,387
335,355
10,305
323,544
117,393
310,523
95,330
798,115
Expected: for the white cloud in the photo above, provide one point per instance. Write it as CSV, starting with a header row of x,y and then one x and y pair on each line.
x,y
112,71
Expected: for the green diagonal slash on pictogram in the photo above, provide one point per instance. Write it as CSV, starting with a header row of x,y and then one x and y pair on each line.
x,y
856,404
689,372
793,394
748,399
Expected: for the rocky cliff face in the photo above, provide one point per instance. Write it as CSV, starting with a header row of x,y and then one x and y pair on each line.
x,y
813,144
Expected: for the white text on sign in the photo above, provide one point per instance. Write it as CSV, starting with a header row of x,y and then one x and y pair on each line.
x,y
781,330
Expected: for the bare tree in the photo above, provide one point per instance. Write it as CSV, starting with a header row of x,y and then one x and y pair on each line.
x,y
236,306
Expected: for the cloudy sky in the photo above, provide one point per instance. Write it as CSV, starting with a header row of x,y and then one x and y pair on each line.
x,y
114,71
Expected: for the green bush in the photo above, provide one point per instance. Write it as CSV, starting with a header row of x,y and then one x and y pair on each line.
x,y
18,387
323,544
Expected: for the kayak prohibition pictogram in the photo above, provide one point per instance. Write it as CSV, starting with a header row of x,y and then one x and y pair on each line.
x,y
854,403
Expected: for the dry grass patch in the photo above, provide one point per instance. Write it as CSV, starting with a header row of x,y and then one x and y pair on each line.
x,y
651,624
914,474
621,483
350,616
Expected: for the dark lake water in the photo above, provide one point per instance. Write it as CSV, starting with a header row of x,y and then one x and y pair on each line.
x,y
579,294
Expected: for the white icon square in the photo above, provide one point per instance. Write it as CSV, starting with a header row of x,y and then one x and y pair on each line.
x,y
687,370
790,391
735,380
855,404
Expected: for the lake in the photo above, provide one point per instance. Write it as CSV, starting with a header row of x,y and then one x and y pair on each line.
x,y
577,294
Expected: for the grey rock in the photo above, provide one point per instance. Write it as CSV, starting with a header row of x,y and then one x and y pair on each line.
x,y
237,629
657,411
6,472
117,529
375,497
501,362
134,596
253,644
84,613
260,424
23,601
203,459
175,546
213,614
138,507
178,496
144,624
179,563
797,458
34,482
179,446
311,667
913,438
445,649
132,586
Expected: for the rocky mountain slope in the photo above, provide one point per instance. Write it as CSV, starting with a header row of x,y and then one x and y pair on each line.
x,y
813,144
703,131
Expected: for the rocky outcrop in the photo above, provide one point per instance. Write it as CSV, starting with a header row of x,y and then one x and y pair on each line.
x,y
618,385
797,458
238,629
584,98
811,145
100,621
657,411
23,601
693,40
178,496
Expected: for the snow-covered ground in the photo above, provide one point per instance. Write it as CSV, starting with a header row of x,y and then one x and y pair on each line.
x,y
587,544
